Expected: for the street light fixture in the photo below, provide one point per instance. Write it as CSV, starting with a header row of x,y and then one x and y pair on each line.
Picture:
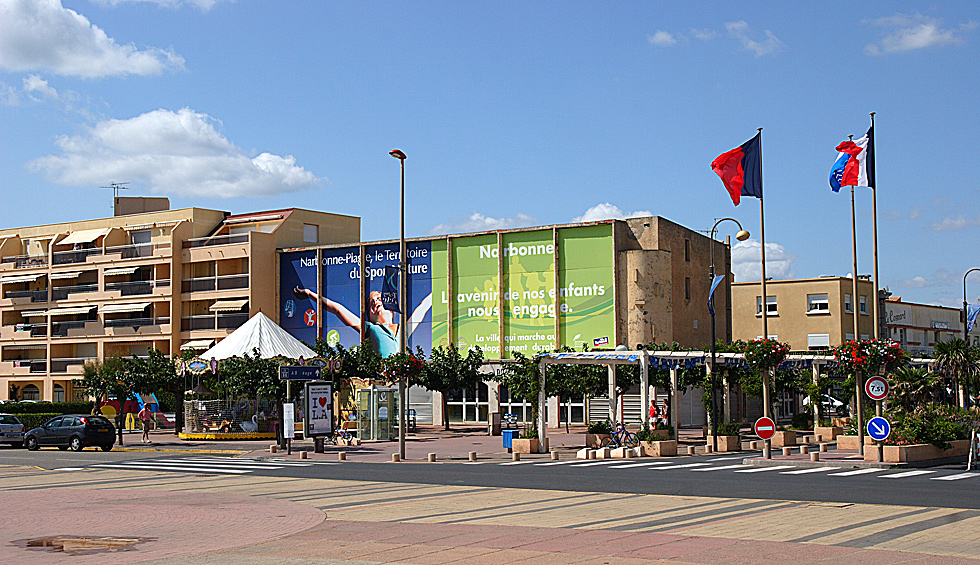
x,y
402,305
742,235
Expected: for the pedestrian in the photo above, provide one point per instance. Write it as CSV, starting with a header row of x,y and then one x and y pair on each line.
x,y
145,416
653,412
667,411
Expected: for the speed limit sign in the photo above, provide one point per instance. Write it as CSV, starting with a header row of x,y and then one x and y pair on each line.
x,y
876,388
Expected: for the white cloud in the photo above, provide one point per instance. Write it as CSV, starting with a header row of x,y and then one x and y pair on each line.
x,y
479,222
747,261
908,32
740,30
662,39
704,34
203,5
36,84
897,215
178,153
960,222
941,277
44,35
607,211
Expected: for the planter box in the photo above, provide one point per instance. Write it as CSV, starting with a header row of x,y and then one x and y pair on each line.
x,y
828,433
665,448
784,439
660,434
851,442
528,445
918,452
727,443
840,422
594,440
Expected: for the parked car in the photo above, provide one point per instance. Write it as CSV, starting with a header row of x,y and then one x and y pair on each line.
x,y
830,406
11,430
75,431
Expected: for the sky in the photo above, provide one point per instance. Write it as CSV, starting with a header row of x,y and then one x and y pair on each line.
x,y
511,114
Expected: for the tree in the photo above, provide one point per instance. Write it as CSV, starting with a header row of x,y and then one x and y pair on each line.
x,y
913,386
251,375
115,378
958,361
447,370
522,378
578,379
158,373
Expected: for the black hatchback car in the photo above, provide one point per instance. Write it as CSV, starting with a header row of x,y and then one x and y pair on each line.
x,y
72,431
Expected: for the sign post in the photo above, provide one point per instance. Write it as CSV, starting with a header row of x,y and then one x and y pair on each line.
x,y
876,387
765,428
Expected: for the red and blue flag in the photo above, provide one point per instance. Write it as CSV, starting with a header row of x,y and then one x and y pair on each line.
x,y
855,164
741,169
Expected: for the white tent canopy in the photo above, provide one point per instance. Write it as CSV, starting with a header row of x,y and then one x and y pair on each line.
x,y
263,334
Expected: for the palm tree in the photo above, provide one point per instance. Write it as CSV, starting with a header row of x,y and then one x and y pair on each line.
x,y
958,361
914,386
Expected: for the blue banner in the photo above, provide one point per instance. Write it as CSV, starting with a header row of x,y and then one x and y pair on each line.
x,y
971,316
298,308
711,293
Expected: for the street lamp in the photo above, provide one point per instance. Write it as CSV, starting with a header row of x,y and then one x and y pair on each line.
x,y
742,235
402,326
966,331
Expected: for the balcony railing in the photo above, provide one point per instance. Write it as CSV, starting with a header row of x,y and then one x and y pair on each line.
x,y
61,364
36,330
36,365
224,282
20,261
136,250
34,295
74,256
62,292
136,322
60,329
134,288
213,322
216,240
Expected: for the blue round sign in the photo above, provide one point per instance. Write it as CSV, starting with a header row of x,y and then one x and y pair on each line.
x,y
879,428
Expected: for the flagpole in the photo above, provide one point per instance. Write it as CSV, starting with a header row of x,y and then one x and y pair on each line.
x,y
765,307
858,385
874,236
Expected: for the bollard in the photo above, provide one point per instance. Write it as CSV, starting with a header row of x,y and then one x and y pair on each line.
x,y
515,456
432,458
708,448
341,456
472,456
690,450
823,448
395,458
765,452
303,455
804,449
753,445
273,448
815,456
787,451
554,456
627,453
590,454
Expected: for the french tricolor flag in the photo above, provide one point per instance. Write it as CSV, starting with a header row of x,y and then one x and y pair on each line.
x,y
855,163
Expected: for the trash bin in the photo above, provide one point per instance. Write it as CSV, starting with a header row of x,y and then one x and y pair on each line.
x,y
509,437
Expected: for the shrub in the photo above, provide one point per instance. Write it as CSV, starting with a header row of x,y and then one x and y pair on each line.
x,y
646,434
601,427
936,424
32,421
730,428
56,408
802,421
530,432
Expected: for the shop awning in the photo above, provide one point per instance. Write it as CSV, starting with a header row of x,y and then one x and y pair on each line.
x,y
68,275
83,236
33,313
197,344
21,278
121,271
228,305
122,308
71,310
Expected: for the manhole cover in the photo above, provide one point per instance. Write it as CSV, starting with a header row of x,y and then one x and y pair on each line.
x,y
80,545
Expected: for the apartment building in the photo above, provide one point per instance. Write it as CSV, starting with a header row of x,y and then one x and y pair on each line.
x,y
918,327
165,279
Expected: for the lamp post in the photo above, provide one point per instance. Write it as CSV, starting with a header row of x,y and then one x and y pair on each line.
x,y
742,235
402,326
966,330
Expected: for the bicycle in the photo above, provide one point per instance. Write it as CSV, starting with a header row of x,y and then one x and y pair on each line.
x,y
341,437
620,438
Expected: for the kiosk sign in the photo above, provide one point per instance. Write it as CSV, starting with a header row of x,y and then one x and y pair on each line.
x,y
319,409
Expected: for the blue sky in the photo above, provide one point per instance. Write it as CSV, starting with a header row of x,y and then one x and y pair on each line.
x,y
511,114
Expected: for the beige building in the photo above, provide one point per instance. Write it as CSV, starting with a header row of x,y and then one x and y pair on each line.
x,y
808,314
119,286
918,327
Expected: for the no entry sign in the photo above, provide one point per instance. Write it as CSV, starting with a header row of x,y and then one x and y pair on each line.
x,y
876,388
765,428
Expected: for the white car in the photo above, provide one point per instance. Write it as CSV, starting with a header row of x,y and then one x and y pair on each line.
x,y
11,430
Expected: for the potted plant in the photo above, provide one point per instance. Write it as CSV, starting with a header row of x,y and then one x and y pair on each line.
x,y
596,433
729,438
657,442
528,442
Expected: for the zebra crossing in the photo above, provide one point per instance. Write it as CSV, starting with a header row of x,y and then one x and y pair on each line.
x,y
208,465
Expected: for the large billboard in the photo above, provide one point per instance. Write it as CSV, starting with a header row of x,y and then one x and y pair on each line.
x,y
518,314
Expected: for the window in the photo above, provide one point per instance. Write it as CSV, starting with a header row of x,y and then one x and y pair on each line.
x,y
848,337
687,250
770,306
59,393
30,392
687,288
848,304
817,304
863,304
865,337
818,341
311,233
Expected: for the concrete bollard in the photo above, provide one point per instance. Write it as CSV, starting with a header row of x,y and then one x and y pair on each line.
x,y
432,458
690,450
815,456
273,448
395,458
823,448
303,454
804,449
627,453
753,445
708,448
590,454
472,456
515,456
766,452
341,456
554,456
787,451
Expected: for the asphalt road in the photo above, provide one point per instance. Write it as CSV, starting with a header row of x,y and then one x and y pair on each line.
x,y
719,475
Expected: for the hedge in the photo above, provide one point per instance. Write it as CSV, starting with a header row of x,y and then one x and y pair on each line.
x,y
32,421
55,408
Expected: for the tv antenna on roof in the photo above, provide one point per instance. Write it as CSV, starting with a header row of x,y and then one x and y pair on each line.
x,y
116,187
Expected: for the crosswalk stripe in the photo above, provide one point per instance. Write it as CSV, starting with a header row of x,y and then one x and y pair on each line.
x,y
956,477
727,458
632,465
569,461
239,462
220,470
855,472
604,462
515,463
811,470
906,474
723,467
763,469
684,466
238,465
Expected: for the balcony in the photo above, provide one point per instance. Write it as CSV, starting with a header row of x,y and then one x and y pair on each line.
x,y
213,322
33,365
69,364
138,250
62,292
136,288
136,322
216,240
224,282
34,295
24,261
36,330
61,329
74,256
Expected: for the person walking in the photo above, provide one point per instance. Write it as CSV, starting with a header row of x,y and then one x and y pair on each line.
x,y
145,416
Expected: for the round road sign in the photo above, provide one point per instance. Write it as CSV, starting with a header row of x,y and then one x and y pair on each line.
x,y
765,428
876,388
879,428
